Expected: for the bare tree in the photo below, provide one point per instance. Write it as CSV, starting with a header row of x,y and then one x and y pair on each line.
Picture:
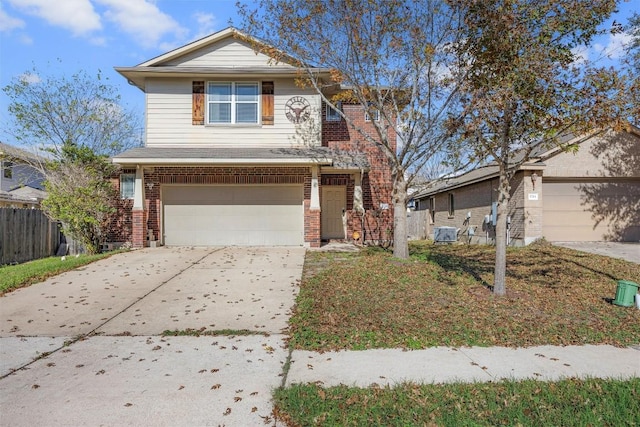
x,y
394,57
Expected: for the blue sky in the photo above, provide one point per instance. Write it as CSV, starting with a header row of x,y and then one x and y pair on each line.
x,y
65,36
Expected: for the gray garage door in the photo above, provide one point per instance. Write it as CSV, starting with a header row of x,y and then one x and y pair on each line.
x,y
571,211
206,215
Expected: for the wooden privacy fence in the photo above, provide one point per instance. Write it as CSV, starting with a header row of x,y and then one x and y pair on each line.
x,y
417,228
26,234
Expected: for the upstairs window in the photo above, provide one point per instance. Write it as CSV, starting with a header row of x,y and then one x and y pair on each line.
x,y
7,171
231,103
374,115
127,185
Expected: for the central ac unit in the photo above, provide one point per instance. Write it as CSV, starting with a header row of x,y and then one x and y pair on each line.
x,y
445,234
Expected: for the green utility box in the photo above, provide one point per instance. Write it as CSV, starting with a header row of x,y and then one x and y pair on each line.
x,y
625,293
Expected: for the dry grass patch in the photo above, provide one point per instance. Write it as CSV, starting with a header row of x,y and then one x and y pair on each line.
x,y
442,296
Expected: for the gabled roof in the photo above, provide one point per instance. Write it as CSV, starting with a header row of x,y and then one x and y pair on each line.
x,y
190,47
15,153
537,157
162,65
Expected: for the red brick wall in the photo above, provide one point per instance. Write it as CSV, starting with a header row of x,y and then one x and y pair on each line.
x,y
376,183
122,229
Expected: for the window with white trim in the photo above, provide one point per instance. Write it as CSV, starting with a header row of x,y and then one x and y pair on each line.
x,y
373,116
127,185
233,102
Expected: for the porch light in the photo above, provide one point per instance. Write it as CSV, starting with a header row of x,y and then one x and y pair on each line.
x,y
534,178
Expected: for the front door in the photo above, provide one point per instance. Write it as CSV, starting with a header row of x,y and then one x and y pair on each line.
x,y
334,205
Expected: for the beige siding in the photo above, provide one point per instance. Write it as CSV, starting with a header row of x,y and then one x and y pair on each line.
x,y
226,53
169,106
598,157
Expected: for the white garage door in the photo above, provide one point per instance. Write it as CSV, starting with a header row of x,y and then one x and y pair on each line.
x,y
569,212
206,215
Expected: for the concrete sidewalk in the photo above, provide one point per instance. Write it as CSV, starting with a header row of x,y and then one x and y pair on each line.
x,y
467,364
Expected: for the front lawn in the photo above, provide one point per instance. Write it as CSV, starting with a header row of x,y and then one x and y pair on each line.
x,y
571,402
441,297
20,275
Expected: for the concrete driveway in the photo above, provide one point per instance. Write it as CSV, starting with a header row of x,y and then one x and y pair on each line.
x,y
106,363
627,251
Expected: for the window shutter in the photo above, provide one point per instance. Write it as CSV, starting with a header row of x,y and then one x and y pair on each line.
x,y
267,103
197,113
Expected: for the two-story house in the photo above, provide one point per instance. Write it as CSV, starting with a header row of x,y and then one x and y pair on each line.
x,y
21,184
238,152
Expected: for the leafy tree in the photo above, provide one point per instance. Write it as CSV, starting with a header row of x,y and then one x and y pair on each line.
x,y
524,88
634,70
80,195
395,58
634,47
49,111
74,123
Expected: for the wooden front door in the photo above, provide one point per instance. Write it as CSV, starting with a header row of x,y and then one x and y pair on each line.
x,y
334,205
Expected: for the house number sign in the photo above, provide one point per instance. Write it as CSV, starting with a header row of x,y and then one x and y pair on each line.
x,y
297,109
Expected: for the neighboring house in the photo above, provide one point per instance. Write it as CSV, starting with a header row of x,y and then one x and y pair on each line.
x,y
21,184
238,153
22,197
590,195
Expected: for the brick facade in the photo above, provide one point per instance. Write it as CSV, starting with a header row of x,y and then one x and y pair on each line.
x,y
376,224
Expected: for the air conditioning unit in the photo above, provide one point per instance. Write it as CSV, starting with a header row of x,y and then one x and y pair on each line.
x,y
445,234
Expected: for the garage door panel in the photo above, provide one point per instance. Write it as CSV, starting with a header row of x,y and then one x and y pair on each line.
x,y
233,215
566,217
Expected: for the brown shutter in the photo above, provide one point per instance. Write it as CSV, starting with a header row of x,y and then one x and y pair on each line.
x,y
198,103
267,103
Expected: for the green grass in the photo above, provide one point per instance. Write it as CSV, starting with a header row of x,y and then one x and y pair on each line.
x,y
441,297
21,275
570,402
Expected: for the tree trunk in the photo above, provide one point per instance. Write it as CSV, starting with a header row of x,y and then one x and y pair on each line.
x,y
400,242
499,283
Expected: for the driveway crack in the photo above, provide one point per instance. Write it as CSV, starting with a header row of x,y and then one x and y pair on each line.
x,y
93,331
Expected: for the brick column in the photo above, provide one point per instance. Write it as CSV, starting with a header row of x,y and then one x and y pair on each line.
x,y
311,225
138,228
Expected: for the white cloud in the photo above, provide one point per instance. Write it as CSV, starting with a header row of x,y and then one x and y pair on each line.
x,y
142,19
25,39
615,45
98,41
75,15
580,54
206,24
9,23
30,78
